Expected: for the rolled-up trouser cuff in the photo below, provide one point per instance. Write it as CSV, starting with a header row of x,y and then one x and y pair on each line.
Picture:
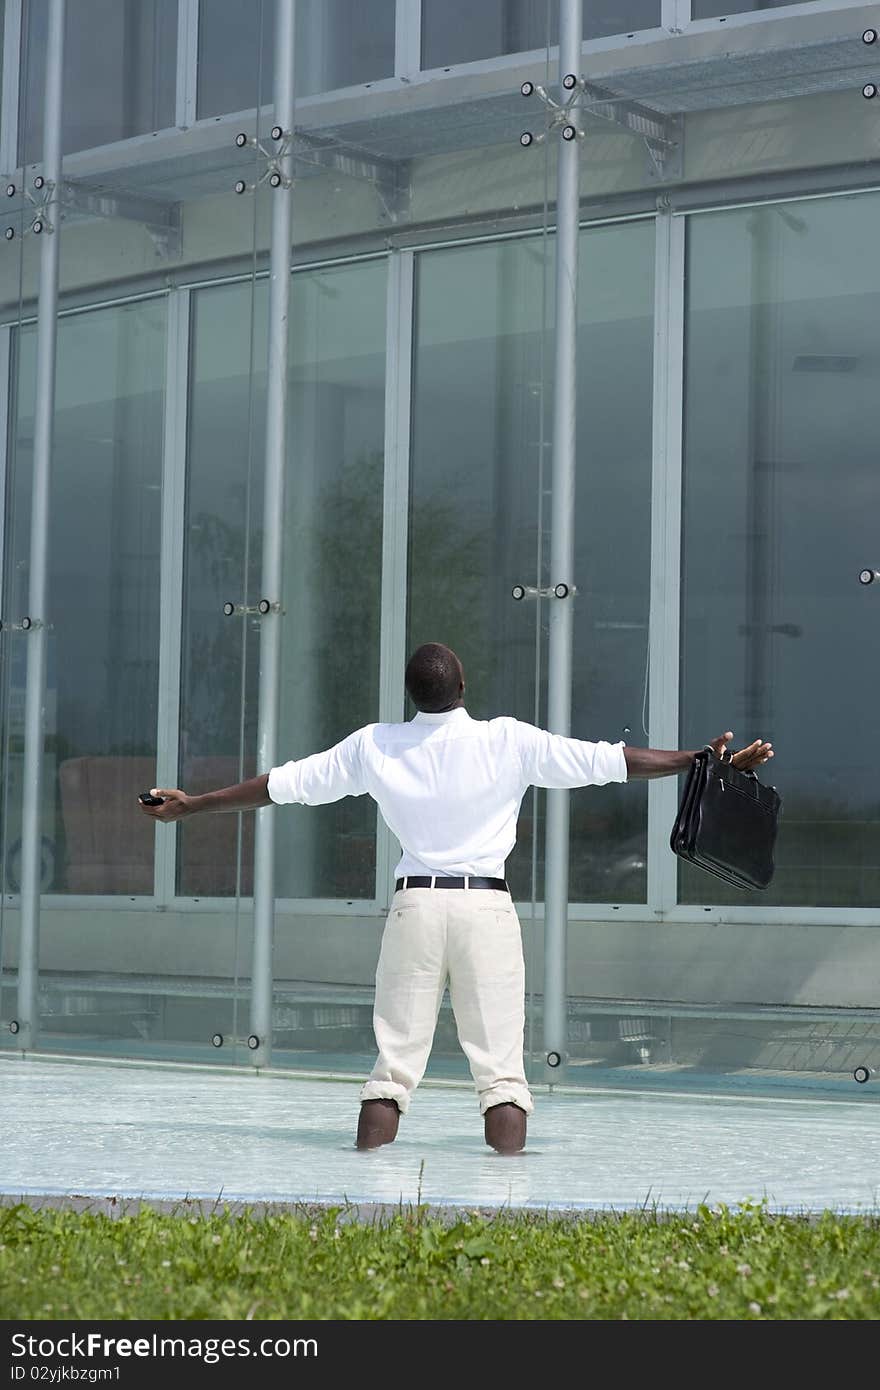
x,y
386,1090
507,1093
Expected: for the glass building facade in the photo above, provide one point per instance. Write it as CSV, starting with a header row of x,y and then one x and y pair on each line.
x,y
280,323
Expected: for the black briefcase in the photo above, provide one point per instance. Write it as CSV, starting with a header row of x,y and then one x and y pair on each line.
x,y
727,822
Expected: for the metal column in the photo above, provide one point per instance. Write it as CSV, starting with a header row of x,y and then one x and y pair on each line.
x,y
173,543
44,411
395,525
664,652
273,535
562,555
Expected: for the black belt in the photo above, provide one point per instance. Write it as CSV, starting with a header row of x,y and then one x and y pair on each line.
x,y
442,881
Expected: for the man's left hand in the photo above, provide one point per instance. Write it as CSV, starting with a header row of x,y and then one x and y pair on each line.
x,y
744,758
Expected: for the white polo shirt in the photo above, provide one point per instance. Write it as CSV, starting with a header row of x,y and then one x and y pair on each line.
x,y
449,787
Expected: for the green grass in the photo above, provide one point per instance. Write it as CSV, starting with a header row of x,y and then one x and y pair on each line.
x,y
711,1264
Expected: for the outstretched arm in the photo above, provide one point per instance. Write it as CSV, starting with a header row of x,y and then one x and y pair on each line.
x,y
657,762
244,796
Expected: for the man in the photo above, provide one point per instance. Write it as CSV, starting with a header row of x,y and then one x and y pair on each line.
x,y
449,787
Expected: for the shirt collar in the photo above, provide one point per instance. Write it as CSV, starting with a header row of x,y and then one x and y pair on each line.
x,y
445,717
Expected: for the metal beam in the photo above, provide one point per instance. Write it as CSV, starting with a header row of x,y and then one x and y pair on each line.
x,y
389,177
162,220
559,669
663,135
273,536
44,412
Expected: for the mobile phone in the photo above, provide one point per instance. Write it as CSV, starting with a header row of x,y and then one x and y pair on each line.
x,y
150,800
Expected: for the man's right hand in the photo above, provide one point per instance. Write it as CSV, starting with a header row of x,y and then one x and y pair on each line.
x,y
175,806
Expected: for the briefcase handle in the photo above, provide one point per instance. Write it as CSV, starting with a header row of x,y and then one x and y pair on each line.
x,y
727,757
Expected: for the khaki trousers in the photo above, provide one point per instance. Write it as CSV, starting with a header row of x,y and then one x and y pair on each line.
x,y
472,939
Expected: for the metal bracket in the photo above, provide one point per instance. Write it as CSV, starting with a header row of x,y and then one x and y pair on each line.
x,y
25,625
161,220
251,1041
663,135
272,173
561,113
523,591
870,89
241,610
40,200
390,178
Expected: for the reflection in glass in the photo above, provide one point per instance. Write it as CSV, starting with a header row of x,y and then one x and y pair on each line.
x,y
330,651
332,565
338,44
479,509
782,417
103,642
120,72
458,31
224,519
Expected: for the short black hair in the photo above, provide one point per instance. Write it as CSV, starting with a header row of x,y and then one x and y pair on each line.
x,y
433,677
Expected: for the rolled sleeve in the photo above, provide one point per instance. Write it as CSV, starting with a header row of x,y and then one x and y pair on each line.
x,y
322,777
554,761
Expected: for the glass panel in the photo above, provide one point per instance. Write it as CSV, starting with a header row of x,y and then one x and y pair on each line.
x,y
2,37
779,518
120,72
477,517
710,9
330,659
423,163
338,44
235,55
612,550
333,565
8,974
477,479
14,529
457,31
142,975
223,553
102,665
